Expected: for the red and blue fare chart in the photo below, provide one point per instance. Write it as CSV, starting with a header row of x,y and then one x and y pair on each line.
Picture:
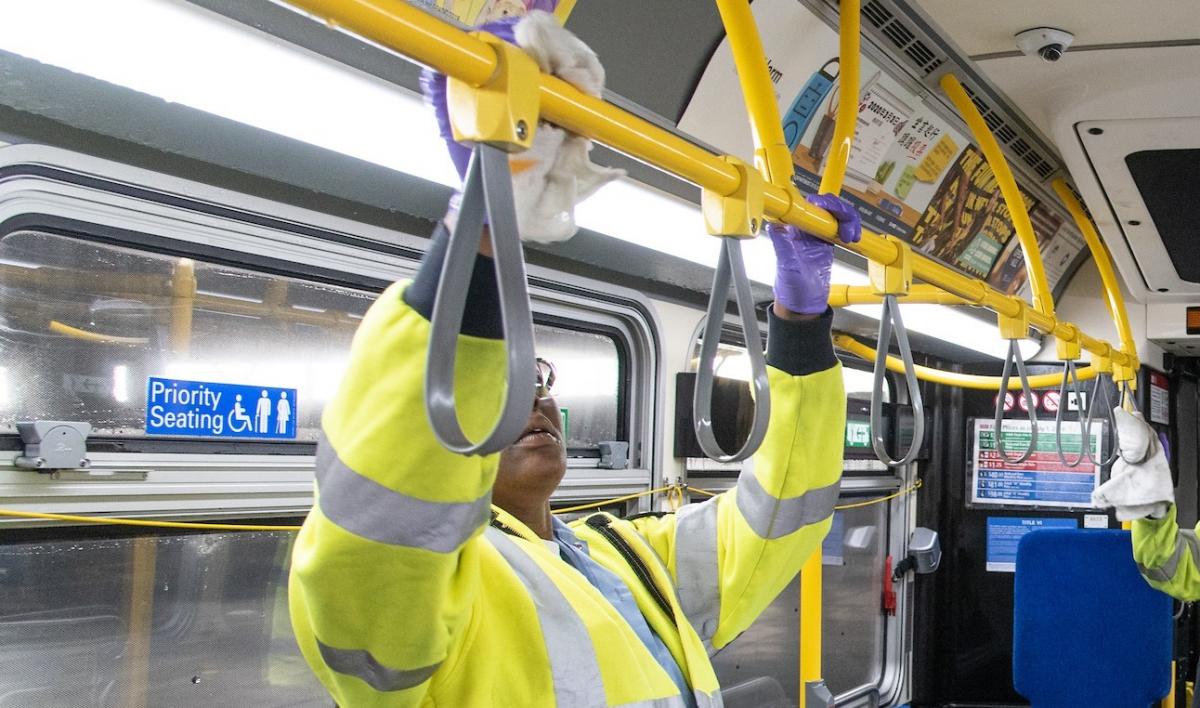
x,y
1043,479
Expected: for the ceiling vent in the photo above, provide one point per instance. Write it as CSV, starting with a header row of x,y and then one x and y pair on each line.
x,y
907,38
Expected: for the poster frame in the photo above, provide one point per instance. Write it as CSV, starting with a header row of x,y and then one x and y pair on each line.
x,y
969,476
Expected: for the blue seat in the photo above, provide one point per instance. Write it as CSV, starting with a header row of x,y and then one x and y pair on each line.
x,y
1087,629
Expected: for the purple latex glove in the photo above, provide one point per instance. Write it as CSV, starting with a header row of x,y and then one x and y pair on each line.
x,y
803,261
433,86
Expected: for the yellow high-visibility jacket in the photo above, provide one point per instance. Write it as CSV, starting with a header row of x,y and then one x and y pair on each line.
x,y
408,589
1167,556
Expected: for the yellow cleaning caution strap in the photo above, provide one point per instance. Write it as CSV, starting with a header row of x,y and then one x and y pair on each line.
x,y
855,505
115,521
674,494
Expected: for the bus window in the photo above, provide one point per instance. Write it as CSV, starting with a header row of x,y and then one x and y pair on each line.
x,y
858,384
85,324
166,620
587,383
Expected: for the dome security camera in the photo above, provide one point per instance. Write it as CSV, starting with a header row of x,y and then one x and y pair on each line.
x,y
1049,43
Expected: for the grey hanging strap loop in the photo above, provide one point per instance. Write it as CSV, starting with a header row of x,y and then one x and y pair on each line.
x,y
487,190
1071,374
730,265
1127,394
1100,390
888,317
1014,355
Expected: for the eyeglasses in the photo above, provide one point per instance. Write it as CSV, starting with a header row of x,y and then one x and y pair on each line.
x,y
545,377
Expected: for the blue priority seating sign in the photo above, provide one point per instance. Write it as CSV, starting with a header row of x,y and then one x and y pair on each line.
x,y
219,410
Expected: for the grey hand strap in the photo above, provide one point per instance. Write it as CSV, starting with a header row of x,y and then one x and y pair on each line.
x,y
730,264
1014,355
488,189
1070,373
887,318
1099,390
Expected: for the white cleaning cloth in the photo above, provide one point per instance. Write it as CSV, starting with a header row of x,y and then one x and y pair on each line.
x,y
1140,484
556,173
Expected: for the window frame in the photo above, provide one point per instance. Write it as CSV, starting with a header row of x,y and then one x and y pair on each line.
x,y
78,196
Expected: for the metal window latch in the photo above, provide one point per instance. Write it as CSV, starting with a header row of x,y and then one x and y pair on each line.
x,y
817,695
614,455
54,445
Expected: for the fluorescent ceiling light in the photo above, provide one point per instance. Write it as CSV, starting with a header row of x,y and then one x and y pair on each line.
x,y
184,54
187,55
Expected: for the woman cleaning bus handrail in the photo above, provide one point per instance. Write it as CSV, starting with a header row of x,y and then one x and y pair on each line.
x,y
1141,490
418,567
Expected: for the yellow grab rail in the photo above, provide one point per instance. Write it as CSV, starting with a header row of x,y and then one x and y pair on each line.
x,y
950,378
845,295
1112,289
76,333
771,154
426,39
847,113
1042,301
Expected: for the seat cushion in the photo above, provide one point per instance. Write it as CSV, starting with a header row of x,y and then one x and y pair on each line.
x,y
1087,629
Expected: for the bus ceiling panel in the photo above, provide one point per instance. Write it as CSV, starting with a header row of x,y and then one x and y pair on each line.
x,y
985,27
1149,169
654,53
1101,89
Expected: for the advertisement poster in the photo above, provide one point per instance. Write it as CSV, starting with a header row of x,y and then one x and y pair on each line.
x,y
1043,479
911,174
477,12
967,223
1004,534
1059,245
900,151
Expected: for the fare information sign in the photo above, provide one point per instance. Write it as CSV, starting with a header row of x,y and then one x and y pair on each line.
x,y
1043,479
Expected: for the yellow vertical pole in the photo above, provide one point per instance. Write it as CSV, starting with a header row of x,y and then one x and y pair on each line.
x,y
847,113
812,575
771,155
811,618
183,297
135,667
1112,289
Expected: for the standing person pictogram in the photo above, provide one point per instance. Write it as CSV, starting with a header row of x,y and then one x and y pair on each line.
x,y
283,414
262,413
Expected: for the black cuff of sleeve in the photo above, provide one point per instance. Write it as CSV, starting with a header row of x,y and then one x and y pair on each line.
x,y
800,347
481,317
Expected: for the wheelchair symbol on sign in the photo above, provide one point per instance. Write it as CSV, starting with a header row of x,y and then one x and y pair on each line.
x,y
238,420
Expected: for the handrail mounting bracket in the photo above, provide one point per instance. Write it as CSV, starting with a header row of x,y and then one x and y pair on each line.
x,y
896,277
740,214
503,112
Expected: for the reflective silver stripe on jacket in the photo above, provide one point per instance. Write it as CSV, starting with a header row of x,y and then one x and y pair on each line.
x,y
698,577
703,700
1166,572
360,664
574,668
771,517
368,509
